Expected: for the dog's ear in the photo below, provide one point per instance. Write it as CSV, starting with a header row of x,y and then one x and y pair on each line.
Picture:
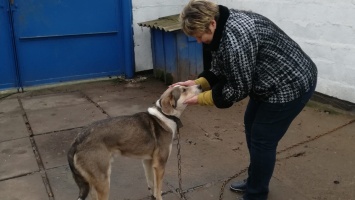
x,y
165,103
169,102
175,95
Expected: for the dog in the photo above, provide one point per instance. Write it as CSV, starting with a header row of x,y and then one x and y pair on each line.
x,y
145,135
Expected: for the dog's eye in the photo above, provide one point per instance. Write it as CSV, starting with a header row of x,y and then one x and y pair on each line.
x,y
183,90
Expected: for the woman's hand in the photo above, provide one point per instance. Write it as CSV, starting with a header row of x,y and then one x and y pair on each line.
x,y
191,101
184,83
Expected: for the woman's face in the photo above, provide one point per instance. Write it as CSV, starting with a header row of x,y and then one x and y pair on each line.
x,y
206,37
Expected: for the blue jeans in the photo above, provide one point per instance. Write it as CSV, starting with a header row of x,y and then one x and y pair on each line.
x,y
265,125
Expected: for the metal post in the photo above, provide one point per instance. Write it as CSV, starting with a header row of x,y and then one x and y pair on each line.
x,y
127,32
11,10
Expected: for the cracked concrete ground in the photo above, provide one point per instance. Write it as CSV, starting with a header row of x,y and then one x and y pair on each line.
x,y
315,158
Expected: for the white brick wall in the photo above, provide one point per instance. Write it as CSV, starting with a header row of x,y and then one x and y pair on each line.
x,y
325,29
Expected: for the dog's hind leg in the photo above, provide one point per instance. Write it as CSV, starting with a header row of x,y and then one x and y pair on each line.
x,y
93,193
101,184
102,190
149,174
98,168
160,157
159,161
84,190
158,180
83,185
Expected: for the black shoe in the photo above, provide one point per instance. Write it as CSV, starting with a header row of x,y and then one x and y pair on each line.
x,y
239,186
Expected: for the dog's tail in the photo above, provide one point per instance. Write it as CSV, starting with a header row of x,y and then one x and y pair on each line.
x,y
79,179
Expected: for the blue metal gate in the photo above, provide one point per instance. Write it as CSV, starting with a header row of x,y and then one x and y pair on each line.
x,y
64,40
8,75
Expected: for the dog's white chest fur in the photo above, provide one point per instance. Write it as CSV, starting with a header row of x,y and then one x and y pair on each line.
x,y
169,122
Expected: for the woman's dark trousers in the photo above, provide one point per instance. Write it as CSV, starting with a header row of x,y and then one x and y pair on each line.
x,y
265,124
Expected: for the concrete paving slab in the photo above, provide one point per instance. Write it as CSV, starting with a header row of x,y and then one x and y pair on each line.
x,y
324,168
17,158
12,125
150,87
117,92
53,147
62,183
310,123
62,118
28,187
129,106
123,101
52,101
281,191
9,106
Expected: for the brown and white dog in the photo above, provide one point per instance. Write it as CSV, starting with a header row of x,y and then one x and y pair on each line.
x,y
145,135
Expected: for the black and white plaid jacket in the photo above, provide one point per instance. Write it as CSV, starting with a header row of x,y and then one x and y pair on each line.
x,y
252,56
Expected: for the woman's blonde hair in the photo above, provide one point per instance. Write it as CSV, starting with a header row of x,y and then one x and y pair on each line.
x,y
197,16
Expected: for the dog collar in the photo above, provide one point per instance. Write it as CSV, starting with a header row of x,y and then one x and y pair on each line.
x,y
175,119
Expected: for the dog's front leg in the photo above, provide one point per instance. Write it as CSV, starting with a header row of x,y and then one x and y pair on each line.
x,y
149,173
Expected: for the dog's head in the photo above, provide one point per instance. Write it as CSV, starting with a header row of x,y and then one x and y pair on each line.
x,y
172,100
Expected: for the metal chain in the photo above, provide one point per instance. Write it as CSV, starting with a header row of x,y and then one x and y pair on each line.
x,y
179,190
230,178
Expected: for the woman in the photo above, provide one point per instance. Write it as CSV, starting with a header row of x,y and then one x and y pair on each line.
x,y
252,57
